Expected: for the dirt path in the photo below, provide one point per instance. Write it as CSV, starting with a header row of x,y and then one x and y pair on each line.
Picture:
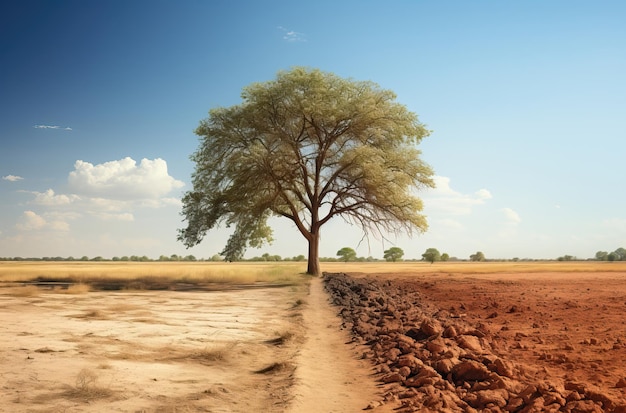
x,y
329,376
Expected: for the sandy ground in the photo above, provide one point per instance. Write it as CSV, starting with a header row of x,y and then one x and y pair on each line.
x,y
219,351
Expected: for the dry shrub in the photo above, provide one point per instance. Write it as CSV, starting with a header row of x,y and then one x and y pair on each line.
x,y
210,355
87,388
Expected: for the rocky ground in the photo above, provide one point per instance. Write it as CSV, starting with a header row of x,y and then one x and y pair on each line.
x,y
538,343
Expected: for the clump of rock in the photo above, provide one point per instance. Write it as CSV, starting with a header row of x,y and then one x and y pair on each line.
x,y
433,361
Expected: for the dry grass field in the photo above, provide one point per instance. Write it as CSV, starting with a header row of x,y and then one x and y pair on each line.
x,y
224,337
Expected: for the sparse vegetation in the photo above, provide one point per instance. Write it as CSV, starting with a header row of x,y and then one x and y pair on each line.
x,y
87,387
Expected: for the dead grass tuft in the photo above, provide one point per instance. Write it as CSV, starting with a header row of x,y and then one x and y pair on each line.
x,y
282,339
210,355
92,314
274,368
87,388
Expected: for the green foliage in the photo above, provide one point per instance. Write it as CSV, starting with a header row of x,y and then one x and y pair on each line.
x,y
445,257
307,146
431,255
393,254
479,256
347,254
617,255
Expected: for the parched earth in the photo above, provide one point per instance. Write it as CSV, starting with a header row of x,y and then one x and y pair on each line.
x,y
539,342
549,342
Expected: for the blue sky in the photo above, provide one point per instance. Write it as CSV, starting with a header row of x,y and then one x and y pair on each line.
x,y
526,100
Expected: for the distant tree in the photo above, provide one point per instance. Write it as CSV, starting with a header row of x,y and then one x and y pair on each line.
x,y
299,258
479,256
431,255
217,257
125,258
308,146
620,254
84,258
164,258
602,256
445,257
346,254
612,257
393,254
572,258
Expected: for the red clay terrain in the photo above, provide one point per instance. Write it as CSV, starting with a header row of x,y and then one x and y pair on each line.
x,y
540,342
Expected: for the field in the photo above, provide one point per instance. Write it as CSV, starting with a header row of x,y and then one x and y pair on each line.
x,y
230,337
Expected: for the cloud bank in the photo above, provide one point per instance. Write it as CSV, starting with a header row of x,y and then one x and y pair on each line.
x,y
444,199
12,178
123,179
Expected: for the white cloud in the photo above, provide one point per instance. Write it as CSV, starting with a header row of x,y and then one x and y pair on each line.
x,y
511,216
108,216
30,221
444,199
51,127
12,178
49,198
292,36
483,194
123,179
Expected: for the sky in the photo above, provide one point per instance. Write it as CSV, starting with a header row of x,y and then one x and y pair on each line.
x,y
526,101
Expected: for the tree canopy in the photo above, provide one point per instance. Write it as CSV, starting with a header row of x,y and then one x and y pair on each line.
x,y
479,256
347,254
307,146
393,254
431,255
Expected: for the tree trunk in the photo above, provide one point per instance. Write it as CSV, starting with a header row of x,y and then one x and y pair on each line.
x,y
313,267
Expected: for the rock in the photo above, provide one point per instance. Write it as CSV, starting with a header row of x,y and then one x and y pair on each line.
x,y
393,377
471,343
502,367
450,332
431,327
583,406
621,383
497,397
404,371
470,371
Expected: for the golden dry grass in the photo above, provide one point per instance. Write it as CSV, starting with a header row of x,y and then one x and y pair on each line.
x,y
151,273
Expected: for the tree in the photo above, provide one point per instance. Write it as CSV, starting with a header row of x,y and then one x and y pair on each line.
x,y
445,257
393,254
347,254
431,255
620,254
602,256
479,256
308,146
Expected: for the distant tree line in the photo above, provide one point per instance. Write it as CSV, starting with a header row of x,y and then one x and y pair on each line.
x,y
345,254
